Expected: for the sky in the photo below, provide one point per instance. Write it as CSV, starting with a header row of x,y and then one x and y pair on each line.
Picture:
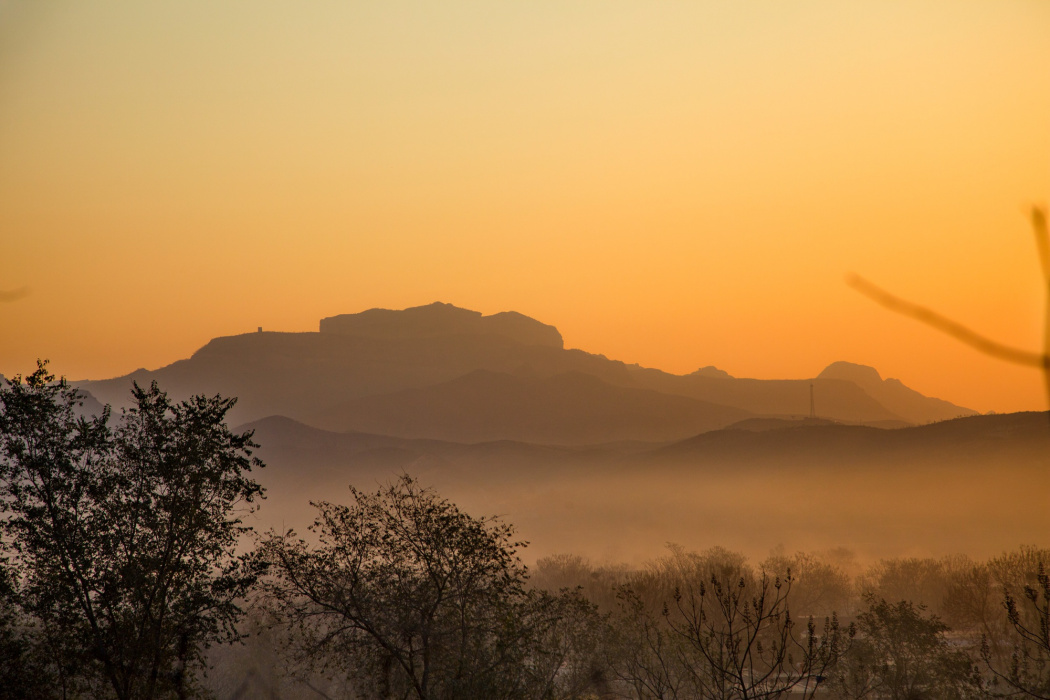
x,y
674,184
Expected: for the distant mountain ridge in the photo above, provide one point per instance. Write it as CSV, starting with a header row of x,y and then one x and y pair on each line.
x,y
806,483
891,393
982,440
443,372
1018,438
439,319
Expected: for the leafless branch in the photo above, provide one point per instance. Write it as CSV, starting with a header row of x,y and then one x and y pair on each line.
x,y
14,294
945,324
964,334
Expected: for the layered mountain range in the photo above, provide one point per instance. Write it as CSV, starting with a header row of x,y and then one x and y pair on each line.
x,y
975,484
593,456
447,373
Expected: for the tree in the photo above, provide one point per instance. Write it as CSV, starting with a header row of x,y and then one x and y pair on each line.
x,y
410,597
649,660
126,537
922,581
727,633
24,671
748,642
902,654
818,588
1028,670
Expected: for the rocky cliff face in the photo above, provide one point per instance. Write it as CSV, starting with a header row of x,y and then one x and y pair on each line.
x,y
438,319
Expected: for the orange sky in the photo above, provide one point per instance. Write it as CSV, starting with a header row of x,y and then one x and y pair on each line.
x,y
676,184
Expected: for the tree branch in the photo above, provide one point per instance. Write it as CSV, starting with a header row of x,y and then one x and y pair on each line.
x,y
964,334
946,325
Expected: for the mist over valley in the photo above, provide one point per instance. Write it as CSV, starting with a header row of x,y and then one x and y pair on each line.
x,y
588,455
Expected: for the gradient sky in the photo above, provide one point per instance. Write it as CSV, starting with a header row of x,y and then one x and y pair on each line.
x,y
676,184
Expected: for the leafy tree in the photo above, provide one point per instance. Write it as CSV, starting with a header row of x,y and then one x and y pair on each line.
x,y
817,587
126,537
922,581
968,602
25,673
902,654
410,597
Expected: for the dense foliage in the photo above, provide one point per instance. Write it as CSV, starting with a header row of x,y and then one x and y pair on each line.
x,y
121,540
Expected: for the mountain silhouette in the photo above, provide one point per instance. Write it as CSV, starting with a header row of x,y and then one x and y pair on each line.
x,y
443,371
439,319
1022,438
891,393
835,398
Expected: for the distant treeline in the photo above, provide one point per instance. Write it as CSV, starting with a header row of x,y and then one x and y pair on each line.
x,y
126,572
688,625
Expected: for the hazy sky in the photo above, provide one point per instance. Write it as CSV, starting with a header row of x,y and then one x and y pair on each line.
x,y
676,184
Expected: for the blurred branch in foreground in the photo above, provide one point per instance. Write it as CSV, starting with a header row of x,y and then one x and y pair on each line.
x,y
14,294
942,323
964,334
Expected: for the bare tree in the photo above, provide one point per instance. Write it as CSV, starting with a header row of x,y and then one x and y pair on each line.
x,y
1027,671
750,645
724,632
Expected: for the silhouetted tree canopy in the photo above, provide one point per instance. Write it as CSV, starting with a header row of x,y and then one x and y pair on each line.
x,y
411,597
121,539
903,654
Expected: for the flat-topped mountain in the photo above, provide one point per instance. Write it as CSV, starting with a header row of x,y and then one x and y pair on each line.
x,y
440,319
444,372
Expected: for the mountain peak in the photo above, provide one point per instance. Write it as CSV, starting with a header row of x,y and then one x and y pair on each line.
x,y
893,394
712,371
862,375
441,319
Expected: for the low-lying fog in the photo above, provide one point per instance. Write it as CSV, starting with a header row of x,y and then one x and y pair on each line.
x,y
956,487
